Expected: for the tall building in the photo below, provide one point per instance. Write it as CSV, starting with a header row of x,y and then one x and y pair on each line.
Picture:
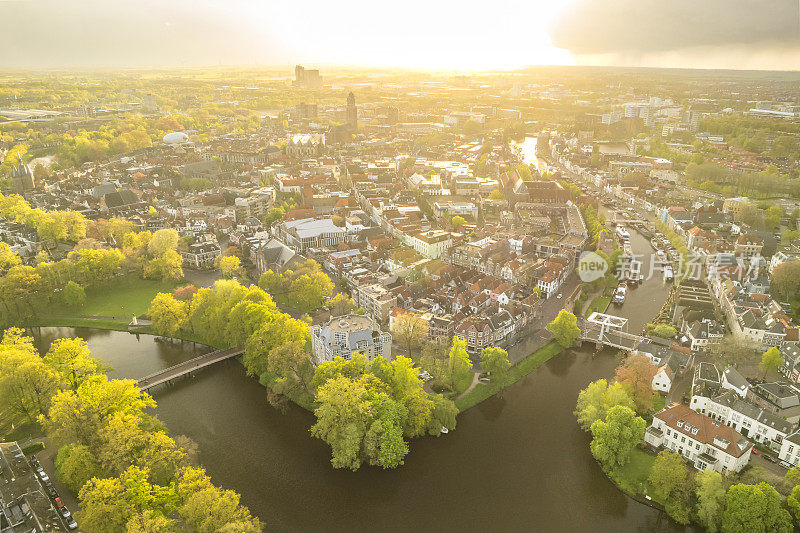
x,y
343,335
352,111
22,178
304,77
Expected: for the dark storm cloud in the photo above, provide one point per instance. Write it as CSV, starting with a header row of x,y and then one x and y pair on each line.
x,y
128,32
645,26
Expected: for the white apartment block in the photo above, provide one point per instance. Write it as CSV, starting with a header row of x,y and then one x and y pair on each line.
x,y
343,335
698,439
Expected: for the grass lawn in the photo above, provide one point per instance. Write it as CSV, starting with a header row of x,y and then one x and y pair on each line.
x,y
21,433
121,298
515,373
659,401
599,304
633,476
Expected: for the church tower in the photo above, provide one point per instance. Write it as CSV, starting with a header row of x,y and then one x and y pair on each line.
x,y
352,112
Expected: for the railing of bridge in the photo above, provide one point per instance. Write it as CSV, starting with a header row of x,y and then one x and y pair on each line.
x,y
185,367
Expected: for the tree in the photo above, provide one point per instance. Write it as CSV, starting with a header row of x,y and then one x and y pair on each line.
x,y
149,522
359,425
167,314
443,414
496,195
636,373
710,491
672,485
8,258
229,266
27,383
291,364
340,304
74,295
208,509
79,416
73,361
665,331
754,508
495,361
771,360
597,398
565,328
793,501
104,506
786,280
459,364
458,221
75,465
409,330
751,215
614,438
108,504
732,351
162,241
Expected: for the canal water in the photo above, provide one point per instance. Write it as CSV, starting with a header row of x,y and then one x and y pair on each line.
x,y
516,461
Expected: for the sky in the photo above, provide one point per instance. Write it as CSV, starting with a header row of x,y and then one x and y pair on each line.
x,y
426,34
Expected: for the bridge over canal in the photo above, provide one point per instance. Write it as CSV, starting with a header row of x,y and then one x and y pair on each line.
x,y
608,330
181,369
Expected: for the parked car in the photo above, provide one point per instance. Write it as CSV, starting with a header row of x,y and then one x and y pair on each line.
x,y
33,459
65,512
785,465
59,503
72,524
44,476
770,458
53,492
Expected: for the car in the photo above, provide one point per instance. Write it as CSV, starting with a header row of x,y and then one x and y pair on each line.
x,y
65,512
559,296
755,451
72,524
39,468
44,476
33,459
770,458
785,465
53,492
59,503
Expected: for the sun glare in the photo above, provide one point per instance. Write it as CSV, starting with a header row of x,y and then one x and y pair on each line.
x,y
447,35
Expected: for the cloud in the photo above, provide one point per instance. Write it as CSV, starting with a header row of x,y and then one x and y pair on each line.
x,y
132,32
635,27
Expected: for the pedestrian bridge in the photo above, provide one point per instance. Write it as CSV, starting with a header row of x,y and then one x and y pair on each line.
x,y
181,369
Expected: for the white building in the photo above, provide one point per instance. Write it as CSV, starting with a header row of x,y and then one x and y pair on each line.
x,y
748,419
310,233
343,335
201,255
432,244
701,441
790,450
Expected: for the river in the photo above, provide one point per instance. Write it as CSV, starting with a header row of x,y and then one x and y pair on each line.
x,y
516,461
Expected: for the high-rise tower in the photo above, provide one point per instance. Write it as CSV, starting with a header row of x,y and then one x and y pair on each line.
x,y
352,112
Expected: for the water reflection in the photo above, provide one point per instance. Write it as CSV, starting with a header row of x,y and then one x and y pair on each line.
x,y
516,461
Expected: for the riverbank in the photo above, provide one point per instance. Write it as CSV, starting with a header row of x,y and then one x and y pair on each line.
x,y
479,393
527,365
222,409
